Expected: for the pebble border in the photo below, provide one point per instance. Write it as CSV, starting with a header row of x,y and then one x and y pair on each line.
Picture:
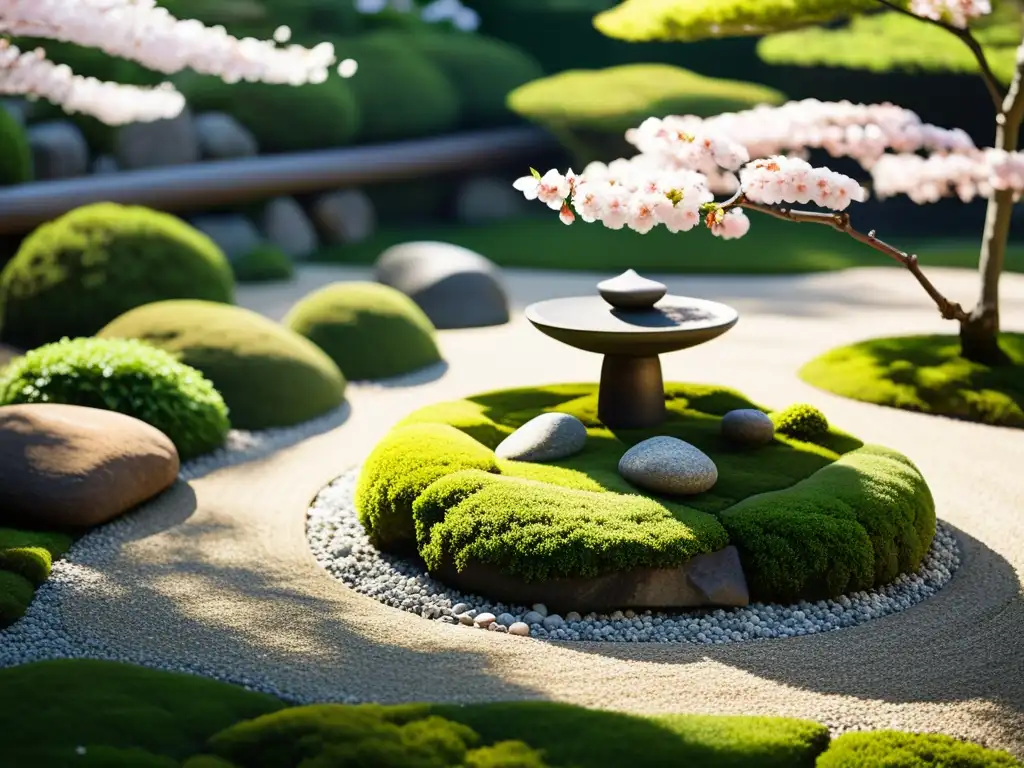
x,y
339,543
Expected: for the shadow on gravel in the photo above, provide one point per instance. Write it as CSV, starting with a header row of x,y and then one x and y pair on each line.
x,y
963,644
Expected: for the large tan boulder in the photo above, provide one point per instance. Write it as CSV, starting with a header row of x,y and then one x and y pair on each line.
x,y
64,466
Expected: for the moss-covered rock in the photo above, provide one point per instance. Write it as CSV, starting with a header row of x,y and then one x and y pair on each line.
x,y
78,272
127,376
16,157
810,519
282,118
802,421
401,93
370,330
910,750
267,375
25,558
591,110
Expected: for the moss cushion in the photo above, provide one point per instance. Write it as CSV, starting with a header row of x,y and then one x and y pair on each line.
x,y
75,274
268,376
25,561
928,375
370,330
810,519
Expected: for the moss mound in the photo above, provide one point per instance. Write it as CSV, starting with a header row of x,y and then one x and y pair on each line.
x,y
25,561
267,375
910,750
591,110
926,374
16,159
811,518
483,70
264,264
327,112
127,376
401,93
801,421
76,273
370,330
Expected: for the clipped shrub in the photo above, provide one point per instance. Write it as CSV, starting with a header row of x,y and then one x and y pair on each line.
x,y
401,467
264,264
78,272
401,94
591,110
282,118
910,750
370,330
267,375
483,70
16,157
802,421
126,376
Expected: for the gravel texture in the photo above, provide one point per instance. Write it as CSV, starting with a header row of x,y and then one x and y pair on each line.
x,y
341,546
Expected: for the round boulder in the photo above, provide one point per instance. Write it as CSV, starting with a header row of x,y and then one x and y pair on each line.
x,y
65,466
454,286
369,330
669,466
267,375
547,437
748,426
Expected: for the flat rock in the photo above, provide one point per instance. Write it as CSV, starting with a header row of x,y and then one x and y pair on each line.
x,y
64,466
670,466
454,286
286,225
712,580
547,437
59,150
233,233
346,216
221,137
158,143
748,426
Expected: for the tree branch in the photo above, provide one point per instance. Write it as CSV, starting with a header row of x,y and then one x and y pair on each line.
x,y
841,223
995,90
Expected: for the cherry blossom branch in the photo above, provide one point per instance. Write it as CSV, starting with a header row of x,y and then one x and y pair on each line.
x,y
840,221
995,90
29,73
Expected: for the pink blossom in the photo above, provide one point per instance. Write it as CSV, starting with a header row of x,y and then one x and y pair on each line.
x,y
733,224
955,12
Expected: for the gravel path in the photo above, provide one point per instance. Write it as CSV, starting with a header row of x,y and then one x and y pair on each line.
x,y
219,571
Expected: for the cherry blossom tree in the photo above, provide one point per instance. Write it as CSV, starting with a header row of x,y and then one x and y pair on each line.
x,y
148,34
758,157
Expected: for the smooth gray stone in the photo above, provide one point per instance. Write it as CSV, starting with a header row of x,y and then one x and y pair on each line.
x,y
158,143
59,150
748,426
222,137
232,232
286,225
669,466
547,437
454,286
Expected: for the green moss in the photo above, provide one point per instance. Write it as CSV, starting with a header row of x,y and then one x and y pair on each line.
x,y
810,519
691,20
926,374
543,242
16,159
401,467
127,376
267,375
401,93
264,264
483,70
16,593
801,421
370,330
135,713
893,749
591,110
78,272
282,118
852,525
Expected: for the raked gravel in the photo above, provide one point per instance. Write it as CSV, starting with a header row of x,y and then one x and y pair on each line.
x,y
41,635
339,542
